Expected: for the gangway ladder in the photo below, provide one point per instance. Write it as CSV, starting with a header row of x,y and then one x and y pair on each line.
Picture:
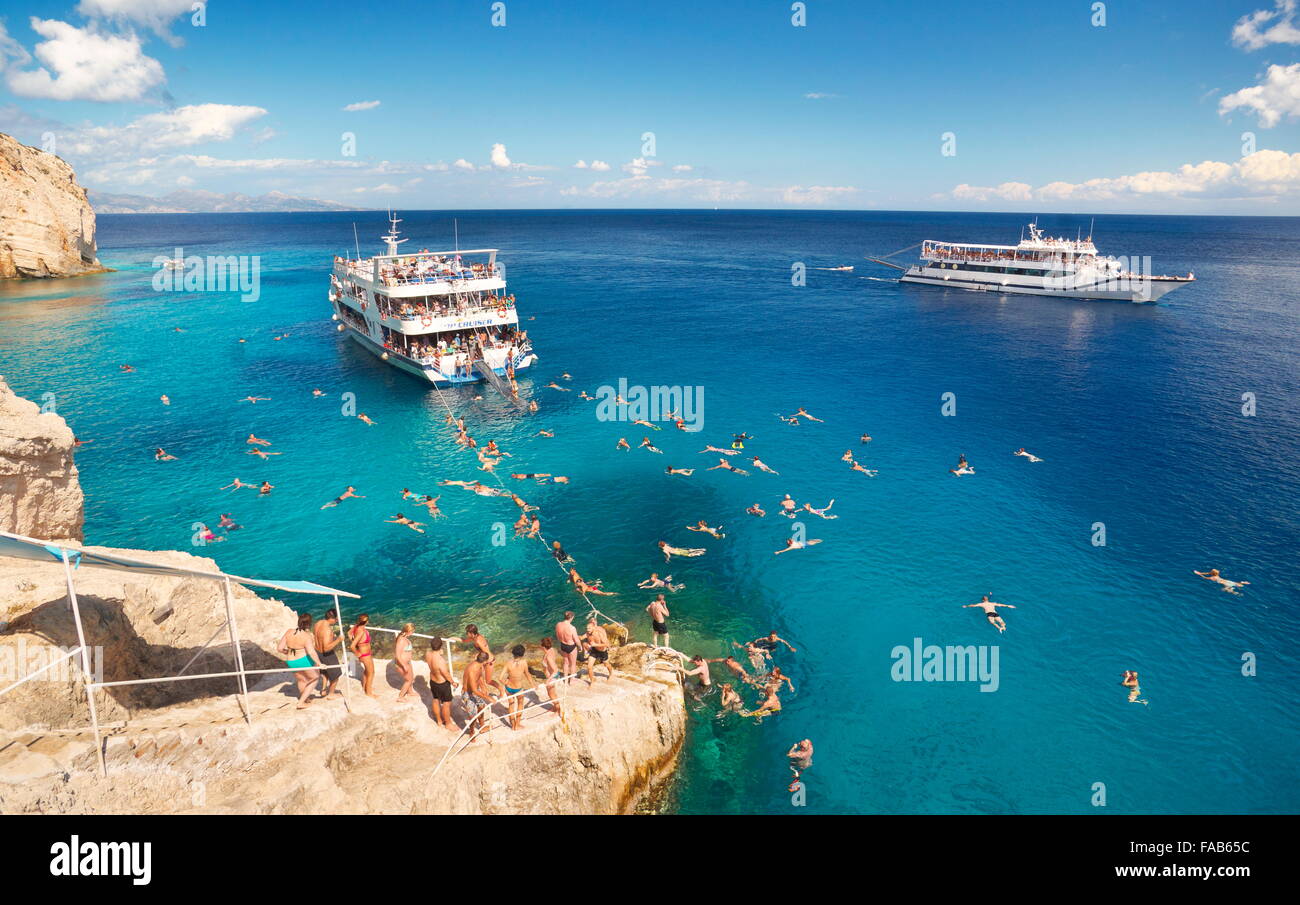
x,y
498,383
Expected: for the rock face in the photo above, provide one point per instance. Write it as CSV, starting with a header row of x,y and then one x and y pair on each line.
x,y
40,495
184,746
47,227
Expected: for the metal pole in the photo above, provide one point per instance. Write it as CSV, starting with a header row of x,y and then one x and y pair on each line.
x,y
239,653
89,677
343,676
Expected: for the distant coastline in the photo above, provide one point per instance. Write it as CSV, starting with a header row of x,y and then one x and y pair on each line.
x,y
201,202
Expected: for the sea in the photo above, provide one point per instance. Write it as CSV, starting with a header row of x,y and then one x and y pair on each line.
x,y
1169,435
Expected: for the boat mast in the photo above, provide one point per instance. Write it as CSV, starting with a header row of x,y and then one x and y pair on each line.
x,y
391,239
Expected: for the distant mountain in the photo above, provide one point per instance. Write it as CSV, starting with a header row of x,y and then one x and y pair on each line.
x,y
199,202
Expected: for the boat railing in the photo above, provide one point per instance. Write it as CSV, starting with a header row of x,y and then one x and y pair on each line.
x,y
390,277
426,313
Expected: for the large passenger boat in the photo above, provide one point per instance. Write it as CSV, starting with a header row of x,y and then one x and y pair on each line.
x,y
1039,265
443,316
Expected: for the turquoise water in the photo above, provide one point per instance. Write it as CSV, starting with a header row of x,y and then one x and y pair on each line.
x,y
1136,411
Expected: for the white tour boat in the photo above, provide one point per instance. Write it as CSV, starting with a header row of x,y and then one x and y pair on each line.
x,y
443,316
1039,265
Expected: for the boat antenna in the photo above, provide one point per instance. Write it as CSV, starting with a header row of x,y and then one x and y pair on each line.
x,y
356,240
455,227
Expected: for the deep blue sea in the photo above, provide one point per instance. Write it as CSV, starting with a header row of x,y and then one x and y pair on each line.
x,y
1135,410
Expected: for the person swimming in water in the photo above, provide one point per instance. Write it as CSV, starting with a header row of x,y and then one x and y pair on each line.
x,y
755,509
762,466
162,455
738,440
681,471
646,444
792,544
349,494
366,418
963,467
265,488
622,444
703,527
256,399
770,705
788,506
236,484
723,463
261,453
857,466
821,513
1130,681
990,611
800,758
725,452
670,551
1030,456
1228,586
400,519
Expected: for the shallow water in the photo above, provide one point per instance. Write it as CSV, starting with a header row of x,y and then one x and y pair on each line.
x,y
1136,411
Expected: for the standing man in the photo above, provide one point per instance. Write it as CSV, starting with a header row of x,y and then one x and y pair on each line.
x,y
475,694
327,640
658,610
439,685
567,635
597,650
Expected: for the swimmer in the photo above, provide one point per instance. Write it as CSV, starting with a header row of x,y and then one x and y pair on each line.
x,y
265,488
703,527
206,535
738,440
646,444
400,519
775,679
256,399
543,477
544,433
236,484
1228,586
257,441
366,418
228,522
431,503
761,466
725,452
585,587
729,699
723,463
349,494
584,395
622,444
869,472
756,510
848,456
801,413
734,665
788,419
566,376
681,471
671,551
532,405
800,758
78,442
820,512
644,423
792,544
558,552
162,455
769,642
654,582
125,369
866,438
758,655
261,453
1130,681
555,386
770,705
165,399
1030,456
701,669
318,392
991,613
788,507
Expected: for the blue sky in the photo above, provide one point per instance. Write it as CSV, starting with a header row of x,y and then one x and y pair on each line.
x,y
1049,111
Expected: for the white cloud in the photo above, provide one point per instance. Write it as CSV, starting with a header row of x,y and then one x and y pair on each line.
x,y
639,167
599,166
1277,96
580,165
463,164
499,157
1265,174
819,95
156,15
815,195
361,105
682,168
84,64
1255,31
183,127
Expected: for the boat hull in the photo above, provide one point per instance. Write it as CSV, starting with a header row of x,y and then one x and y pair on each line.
x,y
1150,292
422,371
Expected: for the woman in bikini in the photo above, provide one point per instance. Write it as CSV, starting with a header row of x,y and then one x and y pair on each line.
x,y
359,644
402,660
300,655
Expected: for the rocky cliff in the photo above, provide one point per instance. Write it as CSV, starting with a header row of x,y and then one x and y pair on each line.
x,y
185,746
40,495
47,227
